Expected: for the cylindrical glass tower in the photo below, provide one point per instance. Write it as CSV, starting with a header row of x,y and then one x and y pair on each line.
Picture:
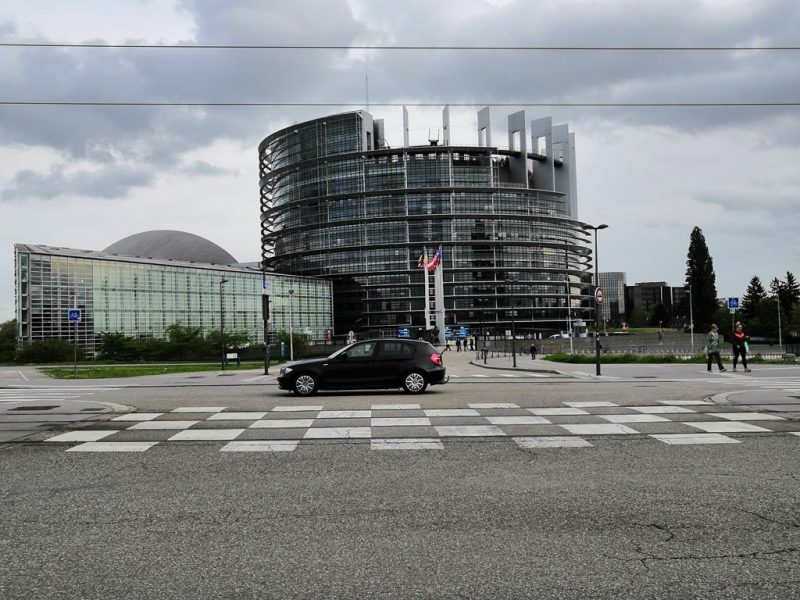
x,y
336,203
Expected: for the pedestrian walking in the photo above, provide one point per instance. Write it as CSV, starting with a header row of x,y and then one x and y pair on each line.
x,y
712,348
458,344
447,346
740,346
533,351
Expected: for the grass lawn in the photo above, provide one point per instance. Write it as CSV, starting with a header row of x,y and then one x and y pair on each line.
x,y
109,371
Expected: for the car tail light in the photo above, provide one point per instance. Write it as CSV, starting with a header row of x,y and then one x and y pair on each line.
x,y
436,358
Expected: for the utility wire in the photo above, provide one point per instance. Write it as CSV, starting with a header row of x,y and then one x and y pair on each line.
x,y
420,104
406,47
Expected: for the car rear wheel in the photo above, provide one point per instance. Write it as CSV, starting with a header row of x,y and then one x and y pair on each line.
x,y
305,384
414,382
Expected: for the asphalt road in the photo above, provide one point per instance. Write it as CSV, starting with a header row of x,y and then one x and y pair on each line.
x,y
624,517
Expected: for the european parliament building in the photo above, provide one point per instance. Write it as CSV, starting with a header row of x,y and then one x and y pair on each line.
x,y
146,282
338,203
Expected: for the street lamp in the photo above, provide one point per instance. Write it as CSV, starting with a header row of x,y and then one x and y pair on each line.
x,y
291,335
596,305
512,282
222,321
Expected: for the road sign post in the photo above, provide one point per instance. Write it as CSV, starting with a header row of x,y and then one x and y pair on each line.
x,y
74,316
733,305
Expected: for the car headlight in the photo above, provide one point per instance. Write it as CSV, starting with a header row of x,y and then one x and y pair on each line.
x,y
285,370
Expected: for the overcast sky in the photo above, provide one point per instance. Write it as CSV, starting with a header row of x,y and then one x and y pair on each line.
x,y
86,177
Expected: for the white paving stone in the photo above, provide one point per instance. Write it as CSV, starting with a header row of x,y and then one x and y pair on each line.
x,y
344,414
599,429
557,412
396,407
797,433
634,418
112,447
81,436
469,431
297,408
259,446
694,438
653,410
517,420
236,416
164,425
747,416
199,409
727,427
282,423
590,404
451,412
400,422
325,433
406,444
557,441
137,417
206,435
477,405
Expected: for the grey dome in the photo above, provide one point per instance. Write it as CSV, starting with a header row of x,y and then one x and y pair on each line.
x,y
171,245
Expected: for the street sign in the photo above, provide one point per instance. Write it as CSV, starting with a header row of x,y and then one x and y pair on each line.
x,y
733,303
74,315
267,287
403,332
598,295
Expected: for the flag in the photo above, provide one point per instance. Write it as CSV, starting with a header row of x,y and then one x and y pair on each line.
x,y
436,260
422,263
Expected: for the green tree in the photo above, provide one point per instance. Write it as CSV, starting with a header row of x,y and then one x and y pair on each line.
x,y
118,346
700,278
765,323
186,343
752,298
47,351
8,340
300,343
639,317
659,315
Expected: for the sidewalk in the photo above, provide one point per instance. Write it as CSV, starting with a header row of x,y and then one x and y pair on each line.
x,y
524,363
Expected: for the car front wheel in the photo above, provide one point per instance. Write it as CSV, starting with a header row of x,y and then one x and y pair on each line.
x,y
414,382
305,384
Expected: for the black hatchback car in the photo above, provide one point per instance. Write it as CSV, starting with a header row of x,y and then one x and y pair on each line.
x,y
389,363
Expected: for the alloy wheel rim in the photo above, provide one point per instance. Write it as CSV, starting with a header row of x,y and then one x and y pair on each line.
x,y
414,382
304,384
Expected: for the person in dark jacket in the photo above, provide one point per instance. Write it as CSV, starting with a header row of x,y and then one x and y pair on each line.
x,y
740,342
712,348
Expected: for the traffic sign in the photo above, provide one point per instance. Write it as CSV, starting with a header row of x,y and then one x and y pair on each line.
x,y
598,295
267,287
74,315
733,303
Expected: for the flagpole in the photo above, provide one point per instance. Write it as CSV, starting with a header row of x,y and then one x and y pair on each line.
x,y
427,292
438,279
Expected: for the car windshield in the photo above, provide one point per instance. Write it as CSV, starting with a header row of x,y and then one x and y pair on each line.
x,y
340,350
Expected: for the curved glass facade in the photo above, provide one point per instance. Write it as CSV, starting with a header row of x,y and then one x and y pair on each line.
x,y
335,206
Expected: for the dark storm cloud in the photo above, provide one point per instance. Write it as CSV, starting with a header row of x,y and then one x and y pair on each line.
x,y
110,183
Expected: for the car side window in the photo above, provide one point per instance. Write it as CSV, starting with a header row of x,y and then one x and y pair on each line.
x,y
361,350
395,350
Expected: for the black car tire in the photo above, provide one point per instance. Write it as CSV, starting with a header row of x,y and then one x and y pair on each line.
x,y
414,382
305,384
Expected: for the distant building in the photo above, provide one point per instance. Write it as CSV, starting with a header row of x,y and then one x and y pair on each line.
x,y
649,294
146,282
612,311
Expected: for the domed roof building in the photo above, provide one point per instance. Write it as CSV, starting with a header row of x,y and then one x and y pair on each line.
x,y
167,244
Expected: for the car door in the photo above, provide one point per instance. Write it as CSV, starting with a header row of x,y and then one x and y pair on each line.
x,y
391,361
352,368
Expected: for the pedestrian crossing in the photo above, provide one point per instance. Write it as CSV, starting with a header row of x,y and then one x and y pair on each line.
x,y
413,427
784,384
49,394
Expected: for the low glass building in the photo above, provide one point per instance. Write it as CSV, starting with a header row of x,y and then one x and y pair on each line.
x,y
157,285
338,203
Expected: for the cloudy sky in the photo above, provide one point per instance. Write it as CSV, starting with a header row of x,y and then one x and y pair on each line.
x,y
84,177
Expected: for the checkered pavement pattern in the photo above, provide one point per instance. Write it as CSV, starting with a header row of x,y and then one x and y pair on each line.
x,y
412,427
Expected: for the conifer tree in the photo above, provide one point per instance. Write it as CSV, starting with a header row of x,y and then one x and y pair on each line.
x,y
752,298
700,278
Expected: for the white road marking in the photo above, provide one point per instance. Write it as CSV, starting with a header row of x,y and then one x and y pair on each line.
x,y
747,416
727,427
553,412
344,414
406,444
199,409
236,416
694,438
395,406
206,435
400,422
163,425
589,404
137,417
551,442
451,412
112,447
661,409
502,420
683,402
258,446
590,429
485,405
324,433
282,424
297,408
22,375
634,418
469,431
80,436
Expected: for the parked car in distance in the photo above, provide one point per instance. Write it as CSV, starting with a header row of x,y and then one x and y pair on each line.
x,y
412,365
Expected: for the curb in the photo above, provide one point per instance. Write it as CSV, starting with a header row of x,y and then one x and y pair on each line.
x,y
483,366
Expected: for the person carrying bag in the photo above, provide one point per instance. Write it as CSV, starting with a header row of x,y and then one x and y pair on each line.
x,y
740,346
712,347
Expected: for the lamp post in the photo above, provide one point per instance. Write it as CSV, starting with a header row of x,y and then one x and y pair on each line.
x,y
596,305
291,335
222,321
512,282
691,319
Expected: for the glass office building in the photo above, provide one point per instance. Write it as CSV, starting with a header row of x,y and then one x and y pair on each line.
x,y
142,295
338,203
612,311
